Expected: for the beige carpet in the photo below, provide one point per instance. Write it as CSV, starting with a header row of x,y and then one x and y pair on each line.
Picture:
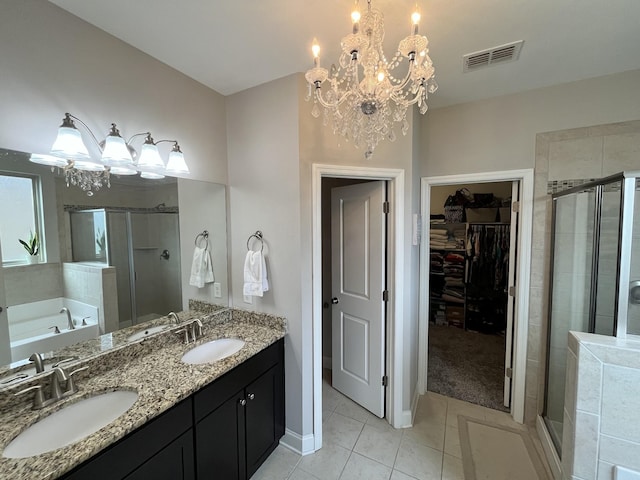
x,y
495,452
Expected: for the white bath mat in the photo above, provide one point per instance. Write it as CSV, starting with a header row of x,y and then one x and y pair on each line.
x,y
495,452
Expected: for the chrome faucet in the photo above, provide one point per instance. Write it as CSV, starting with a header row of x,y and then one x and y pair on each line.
x,y
37,359
173,318
70,324
57,376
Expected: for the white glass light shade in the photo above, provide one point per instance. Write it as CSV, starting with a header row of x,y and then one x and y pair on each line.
x,y
151,175
116,153
149,160
176,164
123,171
48,160
69,144
88,166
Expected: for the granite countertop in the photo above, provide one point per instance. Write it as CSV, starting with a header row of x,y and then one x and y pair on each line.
x,y
151,367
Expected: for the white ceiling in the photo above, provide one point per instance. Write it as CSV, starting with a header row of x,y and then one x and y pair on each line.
x,y
232,45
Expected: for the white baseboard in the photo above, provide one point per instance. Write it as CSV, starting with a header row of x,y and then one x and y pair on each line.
x,y
549,450
407,416
297,443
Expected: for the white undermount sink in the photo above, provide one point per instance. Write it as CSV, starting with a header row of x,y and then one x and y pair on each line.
x,y
146,332
70,424
213,351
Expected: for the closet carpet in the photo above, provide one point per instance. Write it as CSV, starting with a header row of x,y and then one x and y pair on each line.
x,y
466,365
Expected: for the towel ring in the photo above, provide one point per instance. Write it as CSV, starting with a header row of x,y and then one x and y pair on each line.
x,y
257,236
202,236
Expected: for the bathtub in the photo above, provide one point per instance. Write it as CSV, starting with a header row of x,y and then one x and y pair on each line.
x,y
30,326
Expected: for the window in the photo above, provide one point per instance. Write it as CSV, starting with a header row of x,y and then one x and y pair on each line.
x,y
20,208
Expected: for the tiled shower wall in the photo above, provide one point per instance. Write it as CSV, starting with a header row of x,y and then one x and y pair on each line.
x,y
601,407
566,156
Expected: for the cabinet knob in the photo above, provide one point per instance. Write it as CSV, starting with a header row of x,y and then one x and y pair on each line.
x,y
251,396
243,402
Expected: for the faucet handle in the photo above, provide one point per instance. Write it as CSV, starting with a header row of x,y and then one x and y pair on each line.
x,y
38,398
55,329
185,332
71,384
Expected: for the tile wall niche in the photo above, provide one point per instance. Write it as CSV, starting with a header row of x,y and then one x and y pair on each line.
x,y
563,159
601,407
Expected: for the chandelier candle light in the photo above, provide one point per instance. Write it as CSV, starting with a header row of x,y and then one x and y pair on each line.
x,y
364,99
117,157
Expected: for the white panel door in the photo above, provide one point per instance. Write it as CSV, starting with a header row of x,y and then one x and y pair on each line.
x,y
511,299
358,242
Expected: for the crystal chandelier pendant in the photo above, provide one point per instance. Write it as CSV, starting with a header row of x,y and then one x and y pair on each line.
x,y
364,96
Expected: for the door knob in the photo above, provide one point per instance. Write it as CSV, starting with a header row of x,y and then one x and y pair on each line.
x,y
335,301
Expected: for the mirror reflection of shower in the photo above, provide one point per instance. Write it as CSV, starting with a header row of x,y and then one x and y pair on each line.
x,y
144,247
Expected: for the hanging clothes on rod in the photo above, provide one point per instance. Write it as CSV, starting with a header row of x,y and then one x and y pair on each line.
x,y
487,260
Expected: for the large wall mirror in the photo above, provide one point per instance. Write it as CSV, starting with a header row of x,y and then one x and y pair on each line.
x,y
117,258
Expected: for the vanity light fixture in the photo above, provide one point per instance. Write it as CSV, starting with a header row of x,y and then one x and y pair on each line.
x,y
364,98
118,157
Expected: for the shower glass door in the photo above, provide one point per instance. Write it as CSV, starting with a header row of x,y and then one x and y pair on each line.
x,y
633,312
572,254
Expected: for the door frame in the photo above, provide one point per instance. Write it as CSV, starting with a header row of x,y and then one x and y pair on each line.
x,y
523,269
395,279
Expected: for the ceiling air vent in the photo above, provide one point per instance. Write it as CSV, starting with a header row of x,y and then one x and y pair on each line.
x,y
492,56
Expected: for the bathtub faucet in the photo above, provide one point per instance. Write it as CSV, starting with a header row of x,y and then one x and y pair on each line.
x,y
70,324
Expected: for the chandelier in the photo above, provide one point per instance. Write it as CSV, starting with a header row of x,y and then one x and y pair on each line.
x,y
364,98
70,154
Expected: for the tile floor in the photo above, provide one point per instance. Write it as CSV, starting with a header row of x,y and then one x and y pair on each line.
x,y
358,445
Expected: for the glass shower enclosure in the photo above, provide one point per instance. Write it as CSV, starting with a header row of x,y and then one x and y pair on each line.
x,y
595,275
144,248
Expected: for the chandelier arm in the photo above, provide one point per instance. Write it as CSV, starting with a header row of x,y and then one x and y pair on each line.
x,y
407,78
326,104
137,135
87,128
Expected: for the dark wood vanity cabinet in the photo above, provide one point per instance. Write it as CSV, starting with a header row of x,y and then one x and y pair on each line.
x,y
239,419
161,449
224,431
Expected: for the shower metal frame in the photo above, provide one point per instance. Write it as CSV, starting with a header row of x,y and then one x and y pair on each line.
x,y
628,181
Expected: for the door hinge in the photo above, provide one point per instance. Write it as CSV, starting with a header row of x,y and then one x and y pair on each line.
x,y
515,207
385,207
385,381
509,372
385,295
512,291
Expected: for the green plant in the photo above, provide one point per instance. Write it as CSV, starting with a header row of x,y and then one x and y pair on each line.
x,y
33,246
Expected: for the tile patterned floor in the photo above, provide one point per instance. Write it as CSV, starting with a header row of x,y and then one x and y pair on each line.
x,y
358,445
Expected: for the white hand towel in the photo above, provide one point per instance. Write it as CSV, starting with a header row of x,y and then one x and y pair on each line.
x,y
255,274
201,268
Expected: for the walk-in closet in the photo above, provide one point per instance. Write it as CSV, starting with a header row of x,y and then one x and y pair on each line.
x,y
471,250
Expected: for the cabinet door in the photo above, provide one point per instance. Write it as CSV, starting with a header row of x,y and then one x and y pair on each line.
x,y
165,444
264,417
220,450
174,462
